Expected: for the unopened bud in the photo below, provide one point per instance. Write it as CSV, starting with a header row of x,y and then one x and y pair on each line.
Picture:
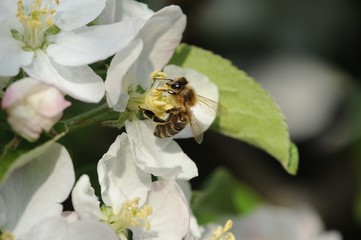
x,y
33,107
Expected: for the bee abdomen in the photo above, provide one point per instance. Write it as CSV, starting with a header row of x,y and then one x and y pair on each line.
x,y
169,129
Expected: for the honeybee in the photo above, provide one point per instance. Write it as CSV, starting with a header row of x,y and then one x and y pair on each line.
x,y
179,113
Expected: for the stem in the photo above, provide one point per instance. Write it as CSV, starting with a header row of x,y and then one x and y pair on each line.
x,y
12,145
96,115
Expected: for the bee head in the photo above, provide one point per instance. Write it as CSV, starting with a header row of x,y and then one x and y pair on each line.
x,y
177,84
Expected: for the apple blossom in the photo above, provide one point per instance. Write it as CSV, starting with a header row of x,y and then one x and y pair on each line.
x,y
50,41
132,201
30,201
120,10
32,107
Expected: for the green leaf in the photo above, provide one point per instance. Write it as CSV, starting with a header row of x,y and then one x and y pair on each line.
x,y
253,117
15,152
222,196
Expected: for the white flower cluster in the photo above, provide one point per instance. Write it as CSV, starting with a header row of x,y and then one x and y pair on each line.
x,y
50,43
46,47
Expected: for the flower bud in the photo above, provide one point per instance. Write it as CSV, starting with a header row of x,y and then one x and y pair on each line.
x,y
32,107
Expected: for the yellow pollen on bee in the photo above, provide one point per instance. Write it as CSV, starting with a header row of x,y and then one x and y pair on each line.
x,y
130,215
158,102
222,233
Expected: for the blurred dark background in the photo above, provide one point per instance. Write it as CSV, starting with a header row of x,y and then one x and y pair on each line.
x,y
308,55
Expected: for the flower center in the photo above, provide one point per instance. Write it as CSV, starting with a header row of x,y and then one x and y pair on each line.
x,y
36,19
7,236
130,215
158,100
222,233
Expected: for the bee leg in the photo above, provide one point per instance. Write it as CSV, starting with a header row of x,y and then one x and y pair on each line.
x,y
166,90
172,110
152,115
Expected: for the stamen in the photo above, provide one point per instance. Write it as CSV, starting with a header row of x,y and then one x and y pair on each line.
x,y
131,215
158,102
36,21
158,75
222,233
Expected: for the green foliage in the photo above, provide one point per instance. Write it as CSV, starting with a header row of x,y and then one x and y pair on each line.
x,y
253,117
222,196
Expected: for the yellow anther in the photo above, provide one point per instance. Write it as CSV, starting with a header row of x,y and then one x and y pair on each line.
x,y
7,236
35,23
222,233
33,6
43,11
228,225
130,215
49,21
158,74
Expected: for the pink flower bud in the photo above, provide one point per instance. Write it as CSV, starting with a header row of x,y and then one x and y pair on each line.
x,y
32,107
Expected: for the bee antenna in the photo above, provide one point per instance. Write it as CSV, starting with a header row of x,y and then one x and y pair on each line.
x,y
162,79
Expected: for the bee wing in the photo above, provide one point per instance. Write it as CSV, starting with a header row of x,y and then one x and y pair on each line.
x,y
196,129
212,106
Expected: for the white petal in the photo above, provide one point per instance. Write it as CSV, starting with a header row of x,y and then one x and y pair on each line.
x,y
54,228
70,216
186,188
117,83
203,87
59,229
85,203
134,9
332,235
170,217
161,157
12,54
194,228
119,177
8,9
161,34
2,212
34,191
90,44
79,82
72,14
120,10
